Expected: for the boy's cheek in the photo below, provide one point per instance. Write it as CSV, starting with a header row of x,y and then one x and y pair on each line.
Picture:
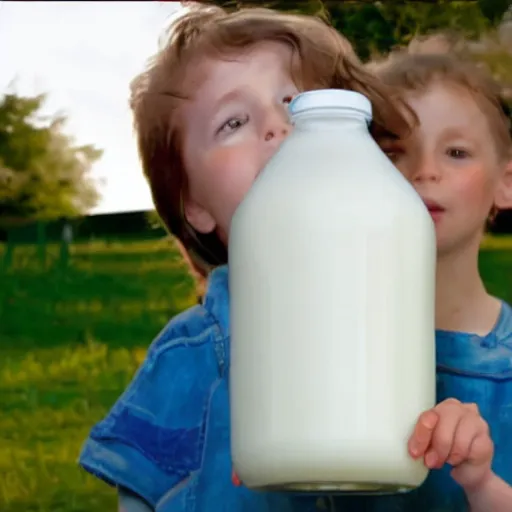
x,y
474,190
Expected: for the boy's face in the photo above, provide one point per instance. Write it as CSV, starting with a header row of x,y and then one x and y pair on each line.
x,y
234,123
453,163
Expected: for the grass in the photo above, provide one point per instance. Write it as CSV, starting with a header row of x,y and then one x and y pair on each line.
x,y
70,341
118,293
50,398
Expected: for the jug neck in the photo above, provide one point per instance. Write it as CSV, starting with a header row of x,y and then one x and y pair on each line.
x,y
331,108
331,118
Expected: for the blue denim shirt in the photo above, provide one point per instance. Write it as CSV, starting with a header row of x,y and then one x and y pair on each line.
x,y
167,437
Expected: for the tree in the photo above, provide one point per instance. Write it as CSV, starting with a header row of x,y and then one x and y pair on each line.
x,y
494,10
43,173
377,26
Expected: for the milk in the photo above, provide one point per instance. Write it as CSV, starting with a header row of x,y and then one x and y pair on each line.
x,y
331,275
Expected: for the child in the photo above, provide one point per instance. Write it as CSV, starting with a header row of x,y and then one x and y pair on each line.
x,y
459,159
209,112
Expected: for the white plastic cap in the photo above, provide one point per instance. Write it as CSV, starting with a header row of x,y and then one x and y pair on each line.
x,y
331,98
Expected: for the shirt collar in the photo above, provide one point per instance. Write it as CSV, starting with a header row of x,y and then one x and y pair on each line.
x,y
216,300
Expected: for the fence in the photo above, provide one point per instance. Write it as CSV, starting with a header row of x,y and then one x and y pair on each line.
x,y
136,225
63,232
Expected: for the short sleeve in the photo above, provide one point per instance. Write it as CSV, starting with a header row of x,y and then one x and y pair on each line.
x,y
153,437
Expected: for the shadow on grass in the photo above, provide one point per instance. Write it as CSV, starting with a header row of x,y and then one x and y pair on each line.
x,y
122,299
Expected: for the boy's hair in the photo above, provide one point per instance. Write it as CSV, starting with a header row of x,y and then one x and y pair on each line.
x,y
446,58
322,59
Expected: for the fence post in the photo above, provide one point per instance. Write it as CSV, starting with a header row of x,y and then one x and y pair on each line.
x,y
66,240
9,250
41,242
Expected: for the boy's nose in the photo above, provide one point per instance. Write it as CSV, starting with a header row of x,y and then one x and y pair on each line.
x,y
278,126
278,134
426,170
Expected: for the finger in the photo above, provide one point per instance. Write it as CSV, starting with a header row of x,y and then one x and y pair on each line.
x,y
450,413
470,426
422,434
472,408
449,402
482,447
471,474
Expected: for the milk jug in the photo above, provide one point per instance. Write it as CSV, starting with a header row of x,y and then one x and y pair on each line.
x,y
331,276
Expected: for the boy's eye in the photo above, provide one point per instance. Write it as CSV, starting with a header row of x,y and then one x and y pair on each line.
x,y
233,124
457,153
391,147
393,153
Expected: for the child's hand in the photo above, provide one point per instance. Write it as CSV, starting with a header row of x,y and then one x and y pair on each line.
x,y
454,433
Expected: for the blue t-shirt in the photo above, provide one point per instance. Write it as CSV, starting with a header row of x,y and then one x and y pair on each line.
x,y
167,438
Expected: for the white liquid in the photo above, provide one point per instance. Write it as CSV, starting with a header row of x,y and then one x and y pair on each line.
x,y
332,272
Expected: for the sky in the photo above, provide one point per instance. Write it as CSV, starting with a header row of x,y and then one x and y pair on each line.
x,y
84,54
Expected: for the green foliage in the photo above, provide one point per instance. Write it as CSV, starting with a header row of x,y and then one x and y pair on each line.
x,y
493,10
387,24
154,221
499,62
43,173
377,26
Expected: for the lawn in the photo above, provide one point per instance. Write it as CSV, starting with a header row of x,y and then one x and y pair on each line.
x,y
70,341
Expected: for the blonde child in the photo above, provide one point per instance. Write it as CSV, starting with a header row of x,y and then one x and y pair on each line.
x,y
459,159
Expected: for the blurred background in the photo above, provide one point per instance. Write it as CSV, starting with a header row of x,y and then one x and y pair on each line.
x,y
88,276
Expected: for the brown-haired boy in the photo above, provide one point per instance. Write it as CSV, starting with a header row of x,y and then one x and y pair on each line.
x,y
210,111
